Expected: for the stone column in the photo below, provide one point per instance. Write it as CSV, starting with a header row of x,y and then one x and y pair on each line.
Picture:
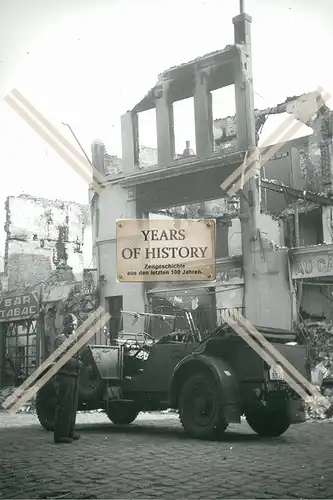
x,y
267,294
129,140
164,126
203,117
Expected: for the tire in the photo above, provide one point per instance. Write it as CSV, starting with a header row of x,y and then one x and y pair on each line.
x,y
122,413
91,385
45,406
200,408
268,423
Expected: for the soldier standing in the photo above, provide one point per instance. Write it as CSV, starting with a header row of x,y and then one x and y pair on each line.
x,y
66,384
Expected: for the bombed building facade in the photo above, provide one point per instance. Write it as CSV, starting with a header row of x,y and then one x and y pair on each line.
x,y
290,225
40,235
304,163
48,273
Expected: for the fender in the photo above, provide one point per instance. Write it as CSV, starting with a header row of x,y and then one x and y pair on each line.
x,y
222,372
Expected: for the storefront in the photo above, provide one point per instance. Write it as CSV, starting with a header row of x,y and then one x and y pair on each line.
x,y
20,336
312,267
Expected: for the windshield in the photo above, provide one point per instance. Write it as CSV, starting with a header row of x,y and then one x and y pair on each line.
x,y
155,326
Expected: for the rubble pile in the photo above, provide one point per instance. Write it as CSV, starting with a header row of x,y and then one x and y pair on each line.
x,y
320,342
315,411
319,336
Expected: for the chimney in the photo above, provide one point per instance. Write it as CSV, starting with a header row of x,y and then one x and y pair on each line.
x,y
97,155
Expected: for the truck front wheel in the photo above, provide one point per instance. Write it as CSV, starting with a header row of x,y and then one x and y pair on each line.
x,y
267,422
122,413
200,407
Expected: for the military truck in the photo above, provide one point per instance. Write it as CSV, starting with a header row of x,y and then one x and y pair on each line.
x,y
165,363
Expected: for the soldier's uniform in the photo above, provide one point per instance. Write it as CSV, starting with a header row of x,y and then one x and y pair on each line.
x,y
66,384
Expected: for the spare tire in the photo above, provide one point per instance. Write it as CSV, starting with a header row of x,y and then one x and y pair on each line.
x,y
91,385
46,405
122,413
267,422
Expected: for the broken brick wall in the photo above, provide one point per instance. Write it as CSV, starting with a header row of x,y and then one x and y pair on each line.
x,y
311,162
41,234
305,163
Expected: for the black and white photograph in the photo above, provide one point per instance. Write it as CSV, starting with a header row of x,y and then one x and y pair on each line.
x,y
166,251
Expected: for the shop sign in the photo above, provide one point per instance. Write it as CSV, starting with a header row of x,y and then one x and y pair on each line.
x,y
312,266
19,306
164,250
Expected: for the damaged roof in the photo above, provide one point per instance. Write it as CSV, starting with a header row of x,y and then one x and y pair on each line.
x,y
186,70
207,60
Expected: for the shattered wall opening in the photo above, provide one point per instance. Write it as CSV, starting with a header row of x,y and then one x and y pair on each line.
x,y
42,234
147,139
224,129
184,128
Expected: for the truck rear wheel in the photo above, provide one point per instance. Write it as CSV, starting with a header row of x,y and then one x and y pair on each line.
x,y
200,407
268,423
45,406
122,413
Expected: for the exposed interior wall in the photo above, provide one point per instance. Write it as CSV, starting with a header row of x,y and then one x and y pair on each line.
x,y
311,228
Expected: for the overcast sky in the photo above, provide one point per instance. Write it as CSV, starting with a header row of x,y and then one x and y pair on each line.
x,y
85,62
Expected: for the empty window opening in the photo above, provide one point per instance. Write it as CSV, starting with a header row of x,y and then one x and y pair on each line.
x,y
224,118
147,138
184,128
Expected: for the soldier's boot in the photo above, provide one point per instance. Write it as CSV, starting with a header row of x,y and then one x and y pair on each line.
x,y
59,440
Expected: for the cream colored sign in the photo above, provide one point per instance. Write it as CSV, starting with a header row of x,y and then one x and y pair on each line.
x,y
165,250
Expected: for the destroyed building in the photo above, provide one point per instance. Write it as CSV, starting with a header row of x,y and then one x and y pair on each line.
x,y
48,272
295,223
40,235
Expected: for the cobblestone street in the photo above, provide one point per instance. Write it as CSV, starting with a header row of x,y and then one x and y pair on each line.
x,y
153,458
